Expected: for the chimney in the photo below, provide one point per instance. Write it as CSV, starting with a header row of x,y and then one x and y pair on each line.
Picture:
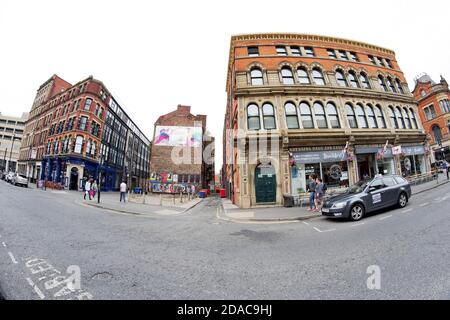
x,y
184,109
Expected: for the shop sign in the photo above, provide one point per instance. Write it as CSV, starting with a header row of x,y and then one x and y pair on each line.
x,y
411,151
374,150
397,150
316,157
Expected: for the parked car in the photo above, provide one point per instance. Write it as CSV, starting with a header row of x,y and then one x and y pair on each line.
x,y
368,196
9,177
20,180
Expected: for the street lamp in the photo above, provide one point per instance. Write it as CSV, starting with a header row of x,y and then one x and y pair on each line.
x,y
100,177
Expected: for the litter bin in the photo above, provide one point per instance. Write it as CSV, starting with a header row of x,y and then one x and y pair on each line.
x,y
223,193
288,200
202,194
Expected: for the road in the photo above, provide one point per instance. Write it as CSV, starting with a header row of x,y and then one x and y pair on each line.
x,y
198,256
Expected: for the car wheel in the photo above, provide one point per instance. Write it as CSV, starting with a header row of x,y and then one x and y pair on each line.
x,y
402,200
356,212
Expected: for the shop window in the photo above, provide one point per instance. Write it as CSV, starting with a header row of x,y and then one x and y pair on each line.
x,y
393,118
287,76
291,115
306,116
269,117
253,121
333,116
400,119
335,174
256,77
303,77
319,113
362,120
351,116
371,117
380,117
318,77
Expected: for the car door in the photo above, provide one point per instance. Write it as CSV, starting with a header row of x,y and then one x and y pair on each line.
x,y
392,191
377,194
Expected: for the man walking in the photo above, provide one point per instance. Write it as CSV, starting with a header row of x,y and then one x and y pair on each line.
x,y
311,188
445,166
87,189
123,191
319,195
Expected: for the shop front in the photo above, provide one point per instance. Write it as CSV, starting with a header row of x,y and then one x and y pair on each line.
x,y
372,161
413,161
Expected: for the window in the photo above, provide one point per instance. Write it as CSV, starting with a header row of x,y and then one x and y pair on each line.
x,y
394,122
318,77
399,86
388,63
82,124
427,113
445,105
372,59
343,55
437,134
295,51
364,81
382,83
351,116
340,78
309,51
306,116
303,76
413,118
353,81
371,117
268,116
78,144
253,117
432,112
391,85
408,119
287,76
400,118
332,53
87,105
380,117
281,51
253,51
319,113
362,120
354,56
291,115
389,182
333,116
256,77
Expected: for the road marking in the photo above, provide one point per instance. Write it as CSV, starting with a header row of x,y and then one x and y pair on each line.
x,y
323,231
424,204
358,224
306,223
35,288
384,218
12,258
407,210
4,244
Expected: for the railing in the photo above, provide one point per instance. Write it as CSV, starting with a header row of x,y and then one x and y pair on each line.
x,y
422,178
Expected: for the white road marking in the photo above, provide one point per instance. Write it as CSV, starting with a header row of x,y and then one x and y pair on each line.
x,y
323,231
384,218
12,258
407,210
35,288
424,204
358,224
4,244
306,223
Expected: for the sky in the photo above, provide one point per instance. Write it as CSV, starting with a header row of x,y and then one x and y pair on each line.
x,y
154,55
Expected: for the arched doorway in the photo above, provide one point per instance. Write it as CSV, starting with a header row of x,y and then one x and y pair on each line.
x,y
265,184
74,179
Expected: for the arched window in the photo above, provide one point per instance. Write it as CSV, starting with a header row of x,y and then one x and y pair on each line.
x,y
287,76
256,77
362,120
94,149
291,115
268,116
353,81
78,144
351,116
371,117
88,147
303,76
253,121
399,115
408,119
382,83
391,85
364,80
333,116
413,118
437,133
394,122
380,117
321,118
399,86
318,77
306,115
87,104
340,78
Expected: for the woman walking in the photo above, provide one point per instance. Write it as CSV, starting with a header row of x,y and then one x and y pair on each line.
x,y
319,192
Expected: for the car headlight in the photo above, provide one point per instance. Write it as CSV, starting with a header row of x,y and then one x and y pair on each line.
x,y
339,205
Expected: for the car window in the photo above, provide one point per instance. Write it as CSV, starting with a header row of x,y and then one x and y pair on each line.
x,y
389,182
377,184
400,180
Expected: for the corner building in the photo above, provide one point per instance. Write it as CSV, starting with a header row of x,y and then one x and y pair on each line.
x,y
335,108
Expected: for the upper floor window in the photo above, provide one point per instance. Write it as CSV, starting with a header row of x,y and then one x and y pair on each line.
x,y
351,116
401,120
281,51
295,51
437,133
354,56
340,78
78,144
399,86
413,118
364,80
318,77
380,117
362,120
287,76
321,118
303,76
391,85
372,59
82,124
256,77
309,51
430,112
388,63
268,116
393,118
445,105
306,116
353,81
253,51
371,117
343,55
382,83
87,104
407,118
253,121
291,115
333,116
332,53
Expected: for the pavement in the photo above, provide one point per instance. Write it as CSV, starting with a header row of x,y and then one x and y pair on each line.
x,y
277,214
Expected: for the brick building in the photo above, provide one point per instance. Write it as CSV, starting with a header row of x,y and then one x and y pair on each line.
x,y
179,141
77,131
434,111
323,105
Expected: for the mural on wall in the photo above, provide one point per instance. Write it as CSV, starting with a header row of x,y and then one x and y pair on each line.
x,y
172,136
158,187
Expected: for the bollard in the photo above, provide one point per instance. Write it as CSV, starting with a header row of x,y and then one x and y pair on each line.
x,y
181,197
160,199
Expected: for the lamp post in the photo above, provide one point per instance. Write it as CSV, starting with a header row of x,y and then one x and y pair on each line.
x,y
100,178
10,152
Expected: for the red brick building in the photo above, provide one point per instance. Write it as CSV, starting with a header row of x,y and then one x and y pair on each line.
x,y
434,111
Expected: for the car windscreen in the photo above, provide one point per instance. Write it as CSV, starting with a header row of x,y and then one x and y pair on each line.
x,y
22,176
358,187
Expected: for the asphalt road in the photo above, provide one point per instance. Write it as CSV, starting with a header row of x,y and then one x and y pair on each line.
x,y
198,256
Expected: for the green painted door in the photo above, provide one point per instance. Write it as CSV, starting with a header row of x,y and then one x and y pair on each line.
x,y
265,184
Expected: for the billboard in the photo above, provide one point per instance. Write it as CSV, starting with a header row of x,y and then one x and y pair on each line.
x,y
171,136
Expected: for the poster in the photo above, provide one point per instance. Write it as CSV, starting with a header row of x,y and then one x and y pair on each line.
x,y
171,136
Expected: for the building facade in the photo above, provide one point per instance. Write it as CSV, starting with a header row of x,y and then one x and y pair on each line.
x,y
11,134
321,105
71,135
179,152
434,111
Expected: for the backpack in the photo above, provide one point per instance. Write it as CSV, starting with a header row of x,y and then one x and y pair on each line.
x,y
324,188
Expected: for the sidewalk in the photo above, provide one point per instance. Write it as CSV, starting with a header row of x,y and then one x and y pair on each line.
x,y
232,212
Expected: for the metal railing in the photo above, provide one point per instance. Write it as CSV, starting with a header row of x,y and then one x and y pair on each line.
x,y
417,179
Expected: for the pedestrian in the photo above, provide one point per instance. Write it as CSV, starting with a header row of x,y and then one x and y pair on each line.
x,y
193,190
445,166
94,188
318,197
123,191
87,189
311,188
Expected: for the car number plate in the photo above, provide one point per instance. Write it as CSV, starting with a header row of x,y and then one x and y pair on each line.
x,y
326,210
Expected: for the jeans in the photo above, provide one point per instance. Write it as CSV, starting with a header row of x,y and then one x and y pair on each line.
x,y
87,193
122,196
311,200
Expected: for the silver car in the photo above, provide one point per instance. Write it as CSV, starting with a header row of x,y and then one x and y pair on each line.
x,y
20,180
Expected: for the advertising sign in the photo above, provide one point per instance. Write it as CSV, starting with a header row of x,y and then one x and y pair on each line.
x,y
397,150
171,136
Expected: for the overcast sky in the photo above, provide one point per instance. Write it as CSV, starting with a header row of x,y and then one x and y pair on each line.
x,y
154,55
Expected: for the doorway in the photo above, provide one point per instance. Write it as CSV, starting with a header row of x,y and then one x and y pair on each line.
x,y
73,179
265,184
366,166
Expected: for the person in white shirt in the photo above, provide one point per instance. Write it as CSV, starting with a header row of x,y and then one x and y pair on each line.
x,y
123,190
87,189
